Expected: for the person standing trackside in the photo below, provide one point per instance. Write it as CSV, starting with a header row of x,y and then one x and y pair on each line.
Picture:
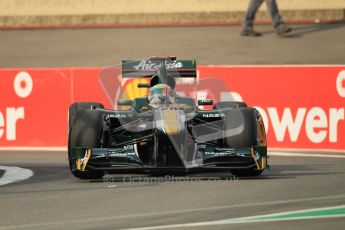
x,y
277,21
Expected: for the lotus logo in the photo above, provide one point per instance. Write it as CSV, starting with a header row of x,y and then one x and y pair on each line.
x,y
149,65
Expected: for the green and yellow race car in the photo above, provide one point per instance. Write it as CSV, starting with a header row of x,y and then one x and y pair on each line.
x,y
165,131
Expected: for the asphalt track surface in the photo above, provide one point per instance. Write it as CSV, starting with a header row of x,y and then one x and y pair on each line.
x,y
53,199
308,44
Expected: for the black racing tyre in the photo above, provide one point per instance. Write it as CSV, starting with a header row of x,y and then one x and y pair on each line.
x,y
247,173
86,132
75,107
240,128
230,105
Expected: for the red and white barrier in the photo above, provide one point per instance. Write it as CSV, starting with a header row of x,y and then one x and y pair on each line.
x,y
303,106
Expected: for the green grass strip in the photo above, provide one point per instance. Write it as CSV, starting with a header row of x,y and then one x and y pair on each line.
x,y
311,213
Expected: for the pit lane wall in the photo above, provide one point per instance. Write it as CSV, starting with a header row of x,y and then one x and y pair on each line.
x,y
303,107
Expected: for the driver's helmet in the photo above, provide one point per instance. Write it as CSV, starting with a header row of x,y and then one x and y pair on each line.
x,y
161,94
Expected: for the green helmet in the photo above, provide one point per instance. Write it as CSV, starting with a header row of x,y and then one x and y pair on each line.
x,y
161,94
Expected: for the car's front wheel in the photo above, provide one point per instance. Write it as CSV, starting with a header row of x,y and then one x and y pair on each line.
x,y
85,132
241,130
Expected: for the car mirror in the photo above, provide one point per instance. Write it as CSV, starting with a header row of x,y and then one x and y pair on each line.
x,y
124,102
205,102
143,85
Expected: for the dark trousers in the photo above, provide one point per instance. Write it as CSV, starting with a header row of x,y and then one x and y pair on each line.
x,y
254,6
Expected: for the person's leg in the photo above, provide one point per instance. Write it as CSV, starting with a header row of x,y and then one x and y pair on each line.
x,y
277,20
253,7
274,13
247,27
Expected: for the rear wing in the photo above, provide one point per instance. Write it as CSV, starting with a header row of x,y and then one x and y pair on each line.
x,y
149,67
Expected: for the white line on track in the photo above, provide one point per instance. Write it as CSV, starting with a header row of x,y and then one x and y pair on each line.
x,y
322,151
271,66
250,219
28,148
292,154
14,174
150,214
231,221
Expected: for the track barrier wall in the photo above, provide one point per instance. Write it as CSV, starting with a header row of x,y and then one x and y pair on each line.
x,y
303,107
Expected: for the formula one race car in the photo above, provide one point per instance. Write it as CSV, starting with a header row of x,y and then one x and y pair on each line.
x,y
165,131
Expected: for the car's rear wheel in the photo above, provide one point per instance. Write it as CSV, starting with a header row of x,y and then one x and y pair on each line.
x,y
241,131
85,131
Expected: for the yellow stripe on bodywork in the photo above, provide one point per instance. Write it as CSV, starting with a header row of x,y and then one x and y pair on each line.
x,y
78,164
256,162
81,163
86,159
263,162
170,121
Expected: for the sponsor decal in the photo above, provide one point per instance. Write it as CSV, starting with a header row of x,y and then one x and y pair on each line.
x,y
154,65
128,147
224,153
301,106
116,154
209,115
317,124
143,126
240,154
112,153
229,153
127,150
116,115
34,104
22,87
341,83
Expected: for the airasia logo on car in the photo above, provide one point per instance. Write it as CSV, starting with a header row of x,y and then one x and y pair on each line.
x,y
22,86
148,65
